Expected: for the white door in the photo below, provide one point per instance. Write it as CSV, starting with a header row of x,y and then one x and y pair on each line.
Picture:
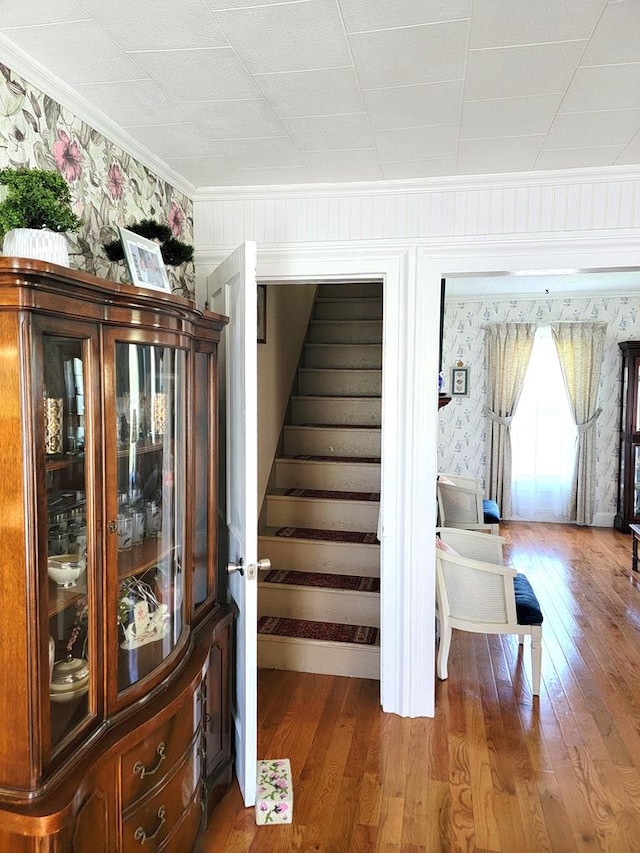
x,y
231,290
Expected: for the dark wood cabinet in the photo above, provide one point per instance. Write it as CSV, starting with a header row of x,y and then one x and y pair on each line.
x,y
628,510
115,725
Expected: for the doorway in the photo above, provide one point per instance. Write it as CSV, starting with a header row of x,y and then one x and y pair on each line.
x,y
513,298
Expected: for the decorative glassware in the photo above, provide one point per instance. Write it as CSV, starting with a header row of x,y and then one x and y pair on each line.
x,y
53,417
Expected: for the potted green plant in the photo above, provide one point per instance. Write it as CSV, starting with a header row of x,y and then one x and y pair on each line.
x,y
35,211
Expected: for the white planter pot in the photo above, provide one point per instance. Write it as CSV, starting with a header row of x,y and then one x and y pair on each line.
x,y
38,243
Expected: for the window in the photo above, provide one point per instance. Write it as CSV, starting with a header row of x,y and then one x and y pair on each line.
x,y
543,438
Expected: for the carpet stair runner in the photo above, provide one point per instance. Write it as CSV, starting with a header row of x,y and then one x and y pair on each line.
x,y
330,581
333,494
326,631
319,608
327,535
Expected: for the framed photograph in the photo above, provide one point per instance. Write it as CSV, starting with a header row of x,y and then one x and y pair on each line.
x,y
262,313
144,260
460,381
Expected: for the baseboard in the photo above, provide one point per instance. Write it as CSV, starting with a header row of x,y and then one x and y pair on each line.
x,y
603,519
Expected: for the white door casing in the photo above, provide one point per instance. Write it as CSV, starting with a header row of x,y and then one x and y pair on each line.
x,y
231,290
409,428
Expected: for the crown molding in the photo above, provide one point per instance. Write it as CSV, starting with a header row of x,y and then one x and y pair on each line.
x,y
40,77
454,183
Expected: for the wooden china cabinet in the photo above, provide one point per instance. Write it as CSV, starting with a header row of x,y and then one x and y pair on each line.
x,y
116,659
629,449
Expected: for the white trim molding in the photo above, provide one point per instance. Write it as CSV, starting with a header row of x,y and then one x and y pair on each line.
x,y
409,428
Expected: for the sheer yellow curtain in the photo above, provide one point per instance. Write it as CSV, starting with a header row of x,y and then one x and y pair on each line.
x,y
508,347
580,350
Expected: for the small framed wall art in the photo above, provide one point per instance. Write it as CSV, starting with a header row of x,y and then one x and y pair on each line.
x,y
460,381
145,262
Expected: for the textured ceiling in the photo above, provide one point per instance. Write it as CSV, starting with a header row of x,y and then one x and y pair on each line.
x,y
251,92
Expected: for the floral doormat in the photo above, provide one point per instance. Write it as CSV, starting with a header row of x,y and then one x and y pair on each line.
x,y
317,579
330,631
328,535
274,792
333,495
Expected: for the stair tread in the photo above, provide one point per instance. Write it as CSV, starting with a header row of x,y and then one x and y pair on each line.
x,y
326,580
355,397
334,426
361,460
323,631
351,320
367,299
376,370
336,344
352,537
326,494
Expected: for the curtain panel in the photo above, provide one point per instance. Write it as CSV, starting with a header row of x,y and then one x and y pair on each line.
x,y
508,348
580,349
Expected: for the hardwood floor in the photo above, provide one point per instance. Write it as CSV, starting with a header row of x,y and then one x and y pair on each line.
x,y
494,770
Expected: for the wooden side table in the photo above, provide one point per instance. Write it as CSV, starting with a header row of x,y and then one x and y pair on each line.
x,y
635,533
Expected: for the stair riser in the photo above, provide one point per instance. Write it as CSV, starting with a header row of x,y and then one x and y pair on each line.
x,y
284,511
356,332
319,657
330,410
315,441
346,607
350,291
342,476
340,383
343,309
367,356
328,557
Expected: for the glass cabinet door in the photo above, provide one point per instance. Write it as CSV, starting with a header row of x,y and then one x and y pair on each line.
x,y
69,569
149,433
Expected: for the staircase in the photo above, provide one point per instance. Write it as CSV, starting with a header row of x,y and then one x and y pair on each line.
x,y
319,605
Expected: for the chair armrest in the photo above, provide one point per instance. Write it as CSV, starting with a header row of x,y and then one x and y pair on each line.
x,y
474,592
477,565
474,544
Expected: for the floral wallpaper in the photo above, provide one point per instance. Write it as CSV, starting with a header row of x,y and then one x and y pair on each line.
x,y
108,186
462,432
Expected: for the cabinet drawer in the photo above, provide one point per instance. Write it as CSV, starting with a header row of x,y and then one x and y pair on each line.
x,y
186,834
147,763
149,824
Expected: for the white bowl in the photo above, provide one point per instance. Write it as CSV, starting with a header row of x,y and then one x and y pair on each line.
x,y
62,696
65,569
69,680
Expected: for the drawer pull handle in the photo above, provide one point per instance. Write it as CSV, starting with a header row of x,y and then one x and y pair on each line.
x,y
141,836
140,770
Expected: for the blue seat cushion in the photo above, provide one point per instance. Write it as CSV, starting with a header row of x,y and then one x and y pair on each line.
x,y
491,511
527,607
